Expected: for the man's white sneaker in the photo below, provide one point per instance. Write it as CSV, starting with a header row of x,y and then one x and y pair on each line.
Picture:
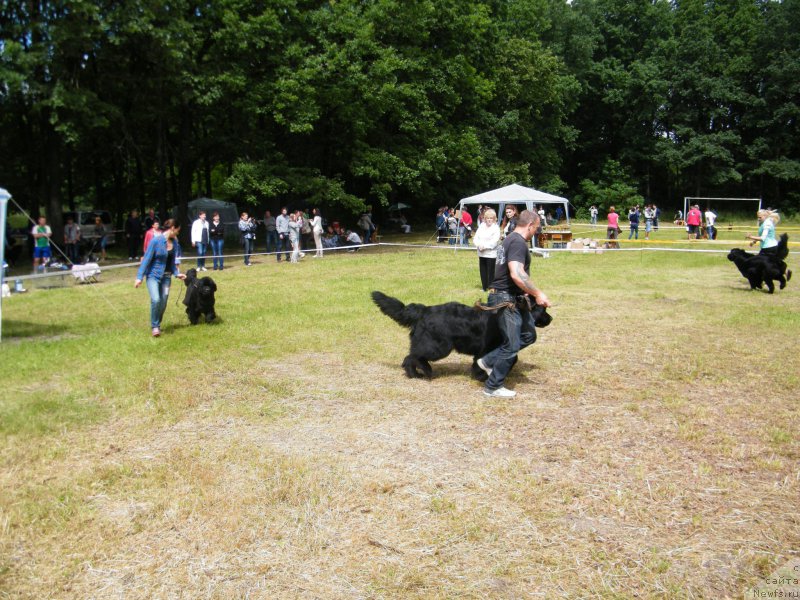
x,y
483,367
500,393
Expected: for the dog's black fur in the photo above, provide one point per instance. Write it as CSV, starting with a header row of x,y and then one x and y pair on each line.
x,y
438,330
199,298
761,269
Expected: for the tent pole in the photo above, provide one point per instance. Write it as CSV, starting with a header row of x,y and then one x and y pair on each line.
x,y
4,198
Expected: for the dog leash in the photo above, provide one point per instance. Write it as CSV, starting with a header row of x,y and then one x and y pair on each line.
x,y
479,306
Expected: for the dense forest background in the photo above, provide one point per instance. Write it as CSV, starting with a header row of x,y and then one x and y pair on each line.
x,y
344,103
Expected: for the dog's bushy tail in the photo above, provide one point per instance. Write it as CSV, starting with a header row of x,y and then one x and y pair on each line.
x,y
783,246
393,308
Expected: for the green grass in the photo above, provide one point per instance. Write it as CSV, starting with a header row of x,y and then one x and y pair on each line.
x,y
282,452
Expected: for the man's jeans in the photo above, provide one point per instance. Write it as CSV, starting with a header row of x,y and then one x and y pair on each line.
x,y
216,250
283,244
272,241
201,253
518,330
73,253
634,232
159,294
247,244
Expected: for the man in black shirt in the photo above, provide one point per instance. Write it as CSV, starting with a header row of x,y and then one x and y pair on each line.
x,y
512,280
133,234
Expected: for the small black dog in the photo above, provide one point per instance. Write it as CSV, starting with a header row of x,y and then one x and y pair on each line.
x,y
438,330
199,298
759,269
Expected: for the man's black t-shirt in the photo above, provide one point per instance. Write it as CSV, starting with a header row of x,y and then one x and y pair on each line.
x,y
514,248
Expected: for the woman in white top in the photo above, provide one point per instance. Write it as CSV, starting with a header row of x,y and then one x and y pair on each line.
x,y
486,240
316,229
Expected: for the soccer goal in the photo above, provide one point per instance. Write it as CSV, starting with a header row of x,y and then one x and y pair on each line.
x,y
721,204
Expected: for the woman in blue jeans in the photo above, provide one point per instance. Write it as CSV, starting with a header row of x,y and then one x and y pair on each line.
x,y
216,233
157,267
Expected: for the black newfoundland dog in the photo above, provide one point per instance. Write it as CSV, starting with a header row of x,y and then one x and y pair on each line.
x,y
199,298
760,269
438,330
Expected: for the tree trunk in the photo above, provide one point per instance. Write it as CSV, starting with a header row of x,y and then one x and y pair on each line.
x,y
185,166
161,157
51,180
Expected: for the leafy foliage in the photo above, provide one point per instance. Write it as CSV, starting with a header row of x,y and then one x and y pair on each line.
x,y
354,102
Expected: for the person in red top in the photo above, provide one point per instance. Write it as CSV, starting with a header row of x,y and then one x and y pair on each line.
x,y
693,220
148,235
613,228
465,227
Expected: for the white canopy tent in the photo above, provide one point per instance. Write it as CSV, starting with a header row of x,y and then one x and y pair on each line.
x,y
516,194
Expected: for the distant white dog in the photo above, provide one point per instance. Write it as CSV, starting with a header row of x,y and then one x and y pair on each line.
x,y
6,291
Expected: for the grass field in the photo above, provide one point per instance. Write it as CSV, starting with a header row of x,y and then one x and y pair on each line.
x,y
653,449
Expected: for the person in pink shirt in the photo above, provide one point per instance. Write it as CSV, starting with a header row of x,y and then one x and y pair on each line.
x,y
693,219
148,235
612,232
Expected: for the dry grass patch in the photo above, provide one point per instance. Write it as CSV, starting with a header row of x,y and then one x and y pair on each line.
x,y
651,452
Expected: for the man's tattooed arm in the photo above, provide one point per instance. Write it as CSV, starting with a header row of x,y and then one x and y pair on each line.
x,y
523,281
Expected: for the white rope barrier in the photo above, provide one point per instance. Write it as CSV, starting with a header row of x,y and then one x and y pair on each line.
x,y
189,262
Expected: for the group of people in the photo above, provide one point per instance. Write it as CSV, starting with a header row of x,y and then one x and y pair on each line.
x,y
74,237
290,231
650,215
636,215
458,226
695,221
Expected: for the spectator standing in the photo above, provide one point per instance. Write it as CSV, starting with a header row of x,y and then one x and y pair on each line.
x,y
72,240
509,223
306,231
100,239
302,222
593,215
441,225
633,219
133,234
711,220
294,236
693,220
153,230
41,233
612,231
559,214
282,227
272,232
465,227
150,219
486,240
216,233
247,229
200,239
657,216
366,225
157,267
512,283
649,219
316,229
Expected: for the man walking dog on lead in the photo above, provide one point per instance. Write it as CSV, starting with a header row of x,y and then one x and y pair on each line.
x,y
512,290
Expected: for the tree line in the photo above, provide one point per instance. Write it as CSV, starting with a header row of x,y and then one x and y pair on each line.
x,y
346,103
